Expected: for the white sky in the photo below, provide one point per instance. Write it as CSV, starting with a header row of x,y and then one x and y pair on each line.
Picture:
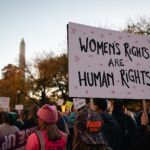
x,y
42,23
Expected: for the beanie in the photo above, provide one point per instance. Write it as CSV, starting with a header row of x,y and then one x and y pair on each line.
x,y
48,113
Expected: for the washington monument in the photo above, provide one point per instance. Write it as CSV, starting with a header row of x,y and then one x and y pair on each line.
x,y
22,62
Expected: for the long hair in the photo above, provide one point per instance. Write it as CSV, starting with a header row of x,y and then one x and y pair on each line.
x,y
80,145
53,132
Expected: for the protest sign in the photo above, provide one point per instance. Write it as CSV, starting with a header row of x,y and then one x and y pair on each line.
x,y
19,107
63,108
15,140
108,64
78,103
4,103
60,102
68,105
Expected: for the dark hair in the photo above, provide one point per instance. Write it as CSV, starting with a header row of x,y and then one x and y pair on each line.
x,y
10,118
58,108
101,103
118,107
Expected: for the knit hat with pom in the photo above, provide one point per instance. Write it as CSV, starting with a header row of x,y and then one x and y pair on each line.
x,y
48,113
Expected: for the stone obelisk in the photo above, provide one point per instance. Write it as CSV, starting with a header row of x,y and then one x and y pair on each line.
x,y
22,62
22,65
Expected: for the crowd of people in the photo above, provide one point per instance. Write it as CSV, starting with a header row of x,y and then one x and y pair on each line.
x,y
88,128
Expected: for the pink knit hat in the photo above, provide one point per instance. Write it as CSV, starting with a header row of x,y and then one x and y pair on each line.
x,y
48,113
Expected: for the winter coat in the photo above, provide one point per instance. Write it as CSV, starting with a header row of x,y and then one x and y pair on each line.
x,y
111,131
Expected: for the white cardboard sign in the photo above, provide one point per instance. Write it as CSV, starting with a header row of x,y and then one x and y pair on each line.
x,y
19,107
78,103
108,64
4,101
60,102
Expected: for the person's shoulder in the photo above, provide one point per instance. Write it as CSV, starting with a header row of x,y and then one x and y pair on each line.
x,y
32,142
109,120
33,136
33,139
108,117
127,118
16,128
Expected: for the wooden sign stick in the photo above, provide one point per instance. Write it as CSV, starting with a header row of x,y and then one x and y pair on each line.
x,y
144,105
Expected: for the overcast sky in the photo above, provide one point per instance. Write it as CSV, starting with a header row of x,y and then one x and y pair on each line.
x,y
42,23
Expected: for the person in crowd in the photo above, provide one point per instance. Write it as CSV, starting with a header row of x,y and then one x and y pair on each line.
x,y
72,118
141,141
17,119
19,123
110,129
62,121
109,107
49,136
32,117
24,115
131,113
2,116
88,135
63,124
8,127
127,124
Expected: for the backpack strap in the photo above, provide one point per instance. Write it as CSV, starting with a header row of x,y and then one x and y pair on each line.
x,y
90,138
66,128
41,140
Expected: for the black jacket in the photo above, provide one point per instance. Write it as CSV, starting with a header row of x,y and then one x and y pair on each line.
x,y
128,130
111,131
142,140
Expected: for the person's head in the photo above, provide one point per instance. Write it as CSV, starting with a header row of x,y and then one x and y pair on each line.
x,y
109,106
88,129
48,114
100,104
24,114
118,107
47,118
33,111
10,118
